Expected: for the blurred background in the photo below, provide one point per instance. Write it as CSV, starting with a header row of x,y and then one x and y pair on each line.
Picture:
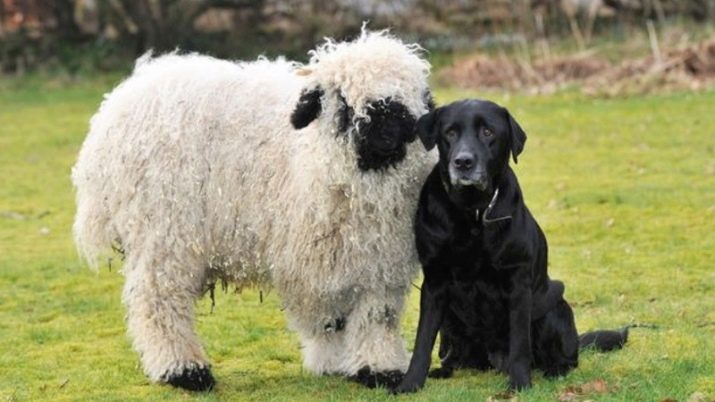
x,y
537,45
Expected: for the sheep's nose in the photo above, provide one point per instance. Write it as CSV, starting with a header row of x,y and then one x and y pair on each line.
x,y
464,161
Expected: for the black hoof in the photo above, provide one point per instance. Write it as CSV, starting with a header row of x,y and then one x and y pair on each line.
x,y
193,379
442,372
370,379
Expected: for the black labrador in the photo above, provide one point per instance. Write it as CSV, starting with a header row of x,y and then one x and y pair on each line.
x,y
484,257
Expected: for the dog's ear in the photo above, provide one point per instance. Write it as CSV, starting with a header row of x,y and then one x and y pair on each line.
x,y
518,137
426,128
308,107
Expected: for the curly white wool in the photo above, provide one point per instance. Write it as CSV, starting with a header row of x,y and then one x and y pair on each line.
x,y
192,167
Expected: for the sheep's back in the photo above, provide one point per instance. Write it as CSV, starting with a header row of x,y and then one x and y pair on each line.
x,y
171,155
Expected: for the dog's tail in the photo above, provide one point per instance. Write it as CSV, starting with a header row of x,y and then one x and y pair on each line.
x,y
604,340
608,340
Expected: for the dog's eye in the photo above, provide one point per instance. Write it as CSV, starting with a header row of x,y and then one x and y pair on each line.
x,y
450,135
487,132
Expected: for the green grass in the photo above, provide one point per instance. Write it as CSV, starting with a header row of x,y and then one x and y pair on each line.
x,y
624,189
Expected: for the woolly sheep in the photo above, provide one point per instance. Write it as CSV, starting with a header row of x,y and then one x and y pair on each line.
x,y
193,170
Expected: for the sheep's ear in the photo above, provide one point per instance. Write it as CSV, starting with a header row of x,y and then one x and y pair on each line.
x,y
426,128
308,108
428,99
518,137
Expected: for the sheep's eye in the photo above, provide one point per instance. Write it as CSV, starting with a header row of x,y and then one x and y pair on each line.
x,y
487,132
450,135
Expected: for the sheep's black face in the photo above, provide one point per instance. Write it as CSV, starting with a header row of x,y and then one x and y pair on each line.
x,y
382,140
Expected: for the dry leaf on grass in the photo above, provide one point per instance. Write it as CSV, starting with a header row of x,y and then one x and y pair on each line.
x,y
575,392
569,394
503,396
600,386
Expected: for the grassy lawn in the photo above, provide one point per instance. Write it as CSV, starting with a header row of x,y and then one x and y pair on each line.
x,y
624,189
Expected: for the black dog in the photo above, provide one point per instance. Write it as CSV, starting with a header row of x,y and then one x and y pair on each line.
x,y
486,289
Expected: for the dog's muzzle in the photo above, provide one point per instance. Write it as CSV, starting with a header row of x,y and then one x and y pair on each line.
x,y
476,178
464,171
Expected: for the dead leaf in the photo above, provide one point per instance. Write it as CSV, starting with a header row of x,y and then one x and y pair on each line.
x,y
570,394
669,400
503,396
600,386
574,392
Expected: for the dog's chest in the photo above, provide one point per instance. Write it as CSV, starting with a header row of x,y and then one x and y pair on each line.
x,y
478,293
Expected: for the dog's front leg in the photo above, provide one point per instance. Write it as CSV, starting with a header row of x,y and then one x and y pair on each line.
x,y
432,304
519,360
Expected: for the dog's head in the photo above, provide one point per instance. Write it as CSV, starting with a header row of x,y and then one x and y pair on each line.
x,y
474,138
370,91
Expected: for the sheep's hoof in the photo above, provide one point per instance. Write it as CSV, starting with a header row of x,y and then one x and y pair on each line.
x,y
387,379
193,379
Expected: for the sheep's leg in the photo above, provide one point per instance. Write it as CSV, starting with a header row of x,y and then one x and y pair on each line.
x,y
375,353
160,302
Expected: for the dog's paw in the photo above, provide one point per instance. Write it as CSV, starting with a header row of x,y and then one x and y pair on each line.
x,y
193,379
519,376
406,387
558,370
442,372
372,379
519,383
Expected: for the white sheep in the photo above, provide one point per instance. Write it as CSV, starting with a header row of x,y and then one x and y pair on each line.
x,y
193,170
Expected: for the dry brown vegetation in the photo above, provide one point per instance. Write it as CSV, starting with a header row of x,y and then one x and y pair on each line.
x,y
691,67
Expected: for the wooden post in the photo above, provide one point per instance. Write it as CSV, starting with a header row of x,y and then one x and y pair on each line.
x,y
654,47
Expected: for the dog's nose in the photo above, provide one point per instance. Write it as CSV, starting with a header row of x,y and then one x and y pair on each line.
x,y
464,161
